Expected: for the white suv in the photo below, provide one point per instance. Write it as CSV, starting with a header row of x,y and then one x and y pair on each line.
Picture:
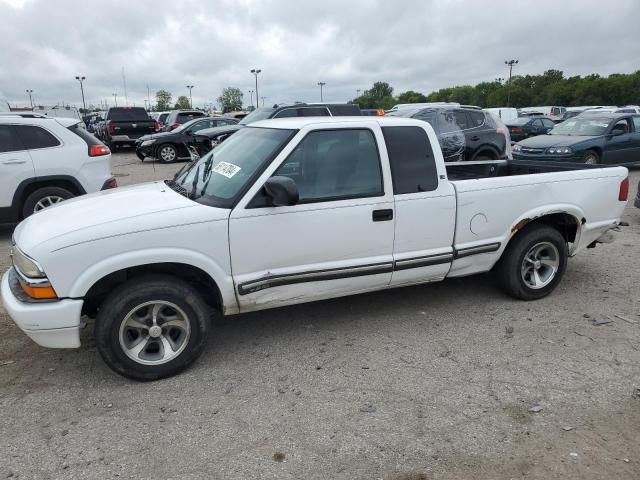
x,y
46,160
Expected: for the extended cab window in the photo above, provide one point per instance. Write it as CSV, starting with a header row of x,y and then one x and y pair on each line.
x,y
335,164
33,137
413,167
8,140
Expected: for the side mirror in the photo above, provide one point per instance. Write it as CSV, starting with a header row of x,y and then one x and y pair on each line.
x,y
617,132
282,191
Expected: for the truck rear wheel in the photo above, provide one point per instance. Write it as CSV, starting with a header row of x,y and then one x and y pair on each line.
x,y
152,327
533,263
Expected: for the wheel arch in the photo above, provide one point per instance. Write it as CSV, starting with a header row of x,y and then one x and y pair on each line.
x,y
567,220
202,281
487,150
27,187
182,263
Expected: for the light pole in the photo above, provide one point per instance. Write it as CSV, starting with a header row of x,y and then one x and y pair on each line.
x,y
115,99
84,106
251,93
510,63
255,72
262,100
322,84
30,98
190,98
358,90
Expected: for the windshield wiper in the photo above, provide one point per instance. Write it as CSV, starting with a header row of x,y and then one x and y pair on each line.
x,y
208,165
176,187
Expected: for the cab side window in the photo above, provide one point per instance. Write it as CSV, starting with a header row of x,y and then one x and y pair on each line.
x,y
335,165
33,137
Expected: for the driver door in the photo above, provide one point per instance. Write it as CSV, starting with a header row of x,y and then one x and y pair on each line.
x,y
619,148
337,240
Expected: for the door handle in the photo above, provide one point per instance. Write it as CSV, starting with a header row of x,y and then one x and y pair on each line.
x,y
14,162
475,138
382,215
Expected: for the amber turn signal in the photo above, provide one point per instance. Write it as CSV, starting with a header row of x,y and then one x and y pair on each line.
x,y
39,293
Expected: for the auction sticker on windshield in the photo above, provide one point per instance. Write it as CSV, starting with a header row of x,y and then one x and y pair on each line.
x,y
226,169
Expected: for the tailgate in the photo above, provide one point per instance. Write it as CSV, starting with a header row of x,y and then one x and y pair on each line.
x,y
133,129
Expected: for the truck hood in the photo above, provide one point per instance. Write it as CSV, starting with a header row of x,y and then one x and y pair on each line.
x,y
107,213
544,141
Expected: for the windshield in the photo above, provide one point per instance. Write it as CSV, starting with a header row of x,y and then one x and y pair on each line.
x,y
258,114
582,127
222,174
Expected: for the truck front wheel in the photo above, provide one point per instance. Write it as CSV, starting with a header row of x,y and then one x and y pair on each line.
x,y
152,327
533,263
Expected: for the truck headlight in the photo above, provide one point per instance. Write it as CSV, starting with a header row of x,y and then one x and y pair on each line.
x,y
25,265
31,277
559,150
146,143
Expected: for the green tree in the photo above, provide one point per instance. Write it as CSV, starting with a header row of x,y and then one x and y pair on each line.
x,y
183,103
163,101
230,100
380,95
411,96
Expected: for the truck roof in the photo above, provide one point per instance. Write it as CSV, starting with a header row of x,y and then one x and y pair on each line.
x,y
300,122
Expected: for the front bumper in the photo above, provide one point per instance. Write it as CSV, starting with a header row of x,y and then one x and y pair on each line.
x,y
548,158
144,152
52,324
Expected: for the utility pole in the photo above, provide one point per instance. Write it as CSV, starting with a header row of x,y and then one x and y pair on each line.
x,y
84,106
115,99
30,98
251,93
510,63
190,87
262,100
255,72
322,84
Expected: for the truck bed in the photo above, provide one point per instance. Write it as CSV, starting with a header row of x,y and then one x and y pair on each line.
x,y
508,168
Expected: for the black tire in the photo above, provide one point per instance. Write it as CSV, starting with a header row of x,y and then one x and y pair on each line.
x,y
167,153
512,266
116,309
112,146
38,198
591,157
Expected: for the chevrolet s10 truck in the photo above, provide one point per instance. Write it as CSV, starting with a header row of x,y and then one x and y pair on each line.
x,y
288,211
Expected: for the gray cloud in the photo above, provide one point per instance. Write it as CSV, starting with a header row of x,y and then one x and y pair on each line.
x,y
413,44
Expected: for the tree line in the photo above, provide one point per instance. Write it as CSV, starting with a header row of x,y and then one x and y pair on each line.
x,y
230,100
550,88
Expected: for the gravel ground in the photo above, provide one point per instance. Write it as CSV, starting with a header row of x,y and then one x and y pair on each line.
x,y
426,382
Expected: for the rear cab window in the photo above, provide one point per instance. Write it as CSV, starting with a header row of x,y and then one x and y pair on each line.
x,y
413,166
128,114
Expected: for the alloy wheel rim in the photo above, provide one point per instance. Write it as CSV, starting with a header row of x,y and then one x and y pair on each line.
x,y
46,202
168,154
154,333
590,160
540,265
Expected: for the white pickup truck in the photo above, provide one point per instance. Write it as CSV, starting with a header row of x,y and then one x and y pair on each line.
x,y
289,211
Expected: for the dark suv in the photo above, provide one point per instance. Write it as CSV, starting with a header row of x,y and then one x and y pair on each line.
x,y
180,117
464,133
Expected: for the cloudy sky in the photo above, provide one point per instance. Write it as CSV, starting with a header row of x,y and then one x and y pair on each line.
x,y
412,44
